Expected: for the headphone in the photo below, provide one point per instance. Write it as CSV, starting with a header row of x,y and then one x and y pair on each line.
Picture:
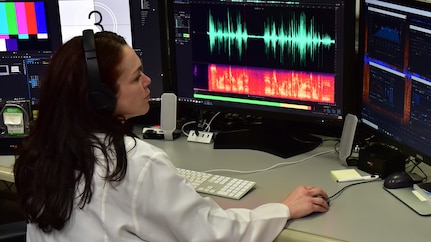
x,y
101,98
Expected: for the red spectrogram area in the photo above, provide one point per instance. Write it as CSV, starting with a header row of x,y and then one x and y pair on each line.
x,y
304,86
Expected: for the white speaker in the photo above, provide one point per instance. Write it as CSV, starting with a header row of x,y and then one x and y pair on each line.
x,y
168,115
347,137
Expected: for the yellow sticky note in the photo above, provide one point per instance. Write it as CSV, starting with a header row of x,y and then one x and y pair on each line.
x,y
344,174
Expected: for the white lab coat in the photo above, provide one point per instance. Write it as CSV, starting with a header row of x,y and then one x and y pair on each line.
x,y
154,203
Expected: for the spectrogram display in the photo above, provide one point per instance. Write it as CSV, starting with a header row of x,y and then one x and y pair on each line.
x,y
22,23
283,84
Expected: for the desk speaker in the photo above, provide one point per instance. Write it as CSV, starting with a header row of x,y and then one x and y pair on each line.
x,y
168,116
347,137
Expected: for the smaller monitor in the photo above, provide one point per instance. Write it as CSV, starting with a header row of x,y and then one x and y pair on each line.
x,y
29,33
137,21
28,25
77,15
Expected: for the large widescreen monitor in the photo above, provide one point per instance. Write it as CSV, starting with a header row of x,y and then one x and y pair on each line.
x,y
283,60
395,47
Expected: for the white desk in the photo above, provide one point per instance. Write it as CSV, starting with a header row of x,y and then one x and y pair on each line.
x,y
6,167
362,213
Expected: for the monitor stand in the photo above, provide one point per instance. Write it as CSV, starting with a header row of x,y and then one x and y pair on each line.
x,y
283,142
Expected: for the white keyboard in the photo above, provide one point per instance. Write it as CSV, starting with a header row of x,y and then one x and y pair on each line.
x,y
223,186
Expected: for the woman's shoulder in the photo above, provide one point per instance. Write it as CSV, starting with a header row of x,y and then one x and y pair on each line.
x,y
131,142
134,144
138,149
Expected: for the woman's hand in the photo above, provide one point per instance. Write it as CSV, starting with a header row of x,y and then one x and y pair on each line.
x,y
305,200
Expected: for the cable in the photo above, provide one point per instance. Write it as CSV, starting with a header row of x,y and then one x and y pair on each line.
x,y
337,194
336,147
416,165
206,127
273,166
184,126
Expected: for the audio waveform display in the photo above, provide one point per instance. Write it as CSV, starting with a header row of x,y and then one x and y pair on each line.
x,y
263,82
299,37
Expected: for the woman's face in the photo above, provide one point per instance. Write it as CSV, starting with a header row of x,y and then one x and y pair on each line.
x,y
133,92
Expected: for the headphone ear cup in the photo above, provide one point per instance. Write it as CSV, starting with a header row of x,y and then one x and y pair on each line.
x,y
102,99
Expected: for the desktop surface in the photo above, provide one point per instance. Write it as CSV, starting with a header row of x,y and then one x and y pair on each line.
x,y
364,212
6,168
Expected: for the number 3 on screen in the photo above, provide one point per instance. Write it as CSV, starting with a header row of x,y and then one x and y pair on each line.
x,y
98,22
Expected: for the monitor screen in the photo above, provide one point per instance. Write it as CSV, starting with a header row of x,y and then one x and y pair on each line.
x,y
288,60
28,26
395,37
21,76
29,33
112,15
136,21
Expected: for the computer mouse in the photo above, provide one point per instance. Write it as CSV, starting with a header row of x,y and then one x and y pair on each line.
x,y
398,180
327,200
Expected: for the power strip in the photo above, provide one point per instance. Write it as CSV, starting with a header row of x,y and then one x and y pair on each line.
x,y
202,137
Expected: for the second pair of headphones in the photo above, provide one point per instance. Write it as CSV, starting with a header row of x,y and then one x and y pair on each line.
x,y
101,98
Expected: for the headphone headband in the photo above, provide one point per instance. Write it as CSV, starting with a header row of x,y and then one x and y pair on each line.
x,y
101,97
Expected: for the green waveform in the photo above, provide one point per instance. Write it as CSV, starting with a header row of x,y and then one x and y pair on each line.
x,y
226,34
299,39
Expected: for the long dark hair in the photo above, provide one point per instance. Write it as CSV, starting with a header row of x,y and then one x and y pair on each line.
x,y
59,151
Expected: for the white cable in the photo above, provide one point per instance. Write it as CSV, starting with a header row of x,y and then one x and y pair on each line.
x,y
273,166
205,124
184,125
208,128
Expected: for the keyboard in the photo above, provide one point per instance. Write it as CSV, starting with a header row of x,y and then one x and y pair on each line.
x,y
217,185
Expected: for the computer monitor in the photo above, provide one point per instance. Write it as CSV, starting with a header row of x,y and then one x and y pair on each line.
x,y
395,48
281,60
28,25
137,21
28,34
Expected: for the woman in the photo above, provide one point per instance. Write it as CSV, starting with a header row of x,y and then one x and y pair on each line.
x,y
84,176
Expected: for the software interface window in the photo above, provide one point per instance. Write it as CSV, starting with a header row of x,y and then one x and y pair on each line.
x,y
273,56
396,74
